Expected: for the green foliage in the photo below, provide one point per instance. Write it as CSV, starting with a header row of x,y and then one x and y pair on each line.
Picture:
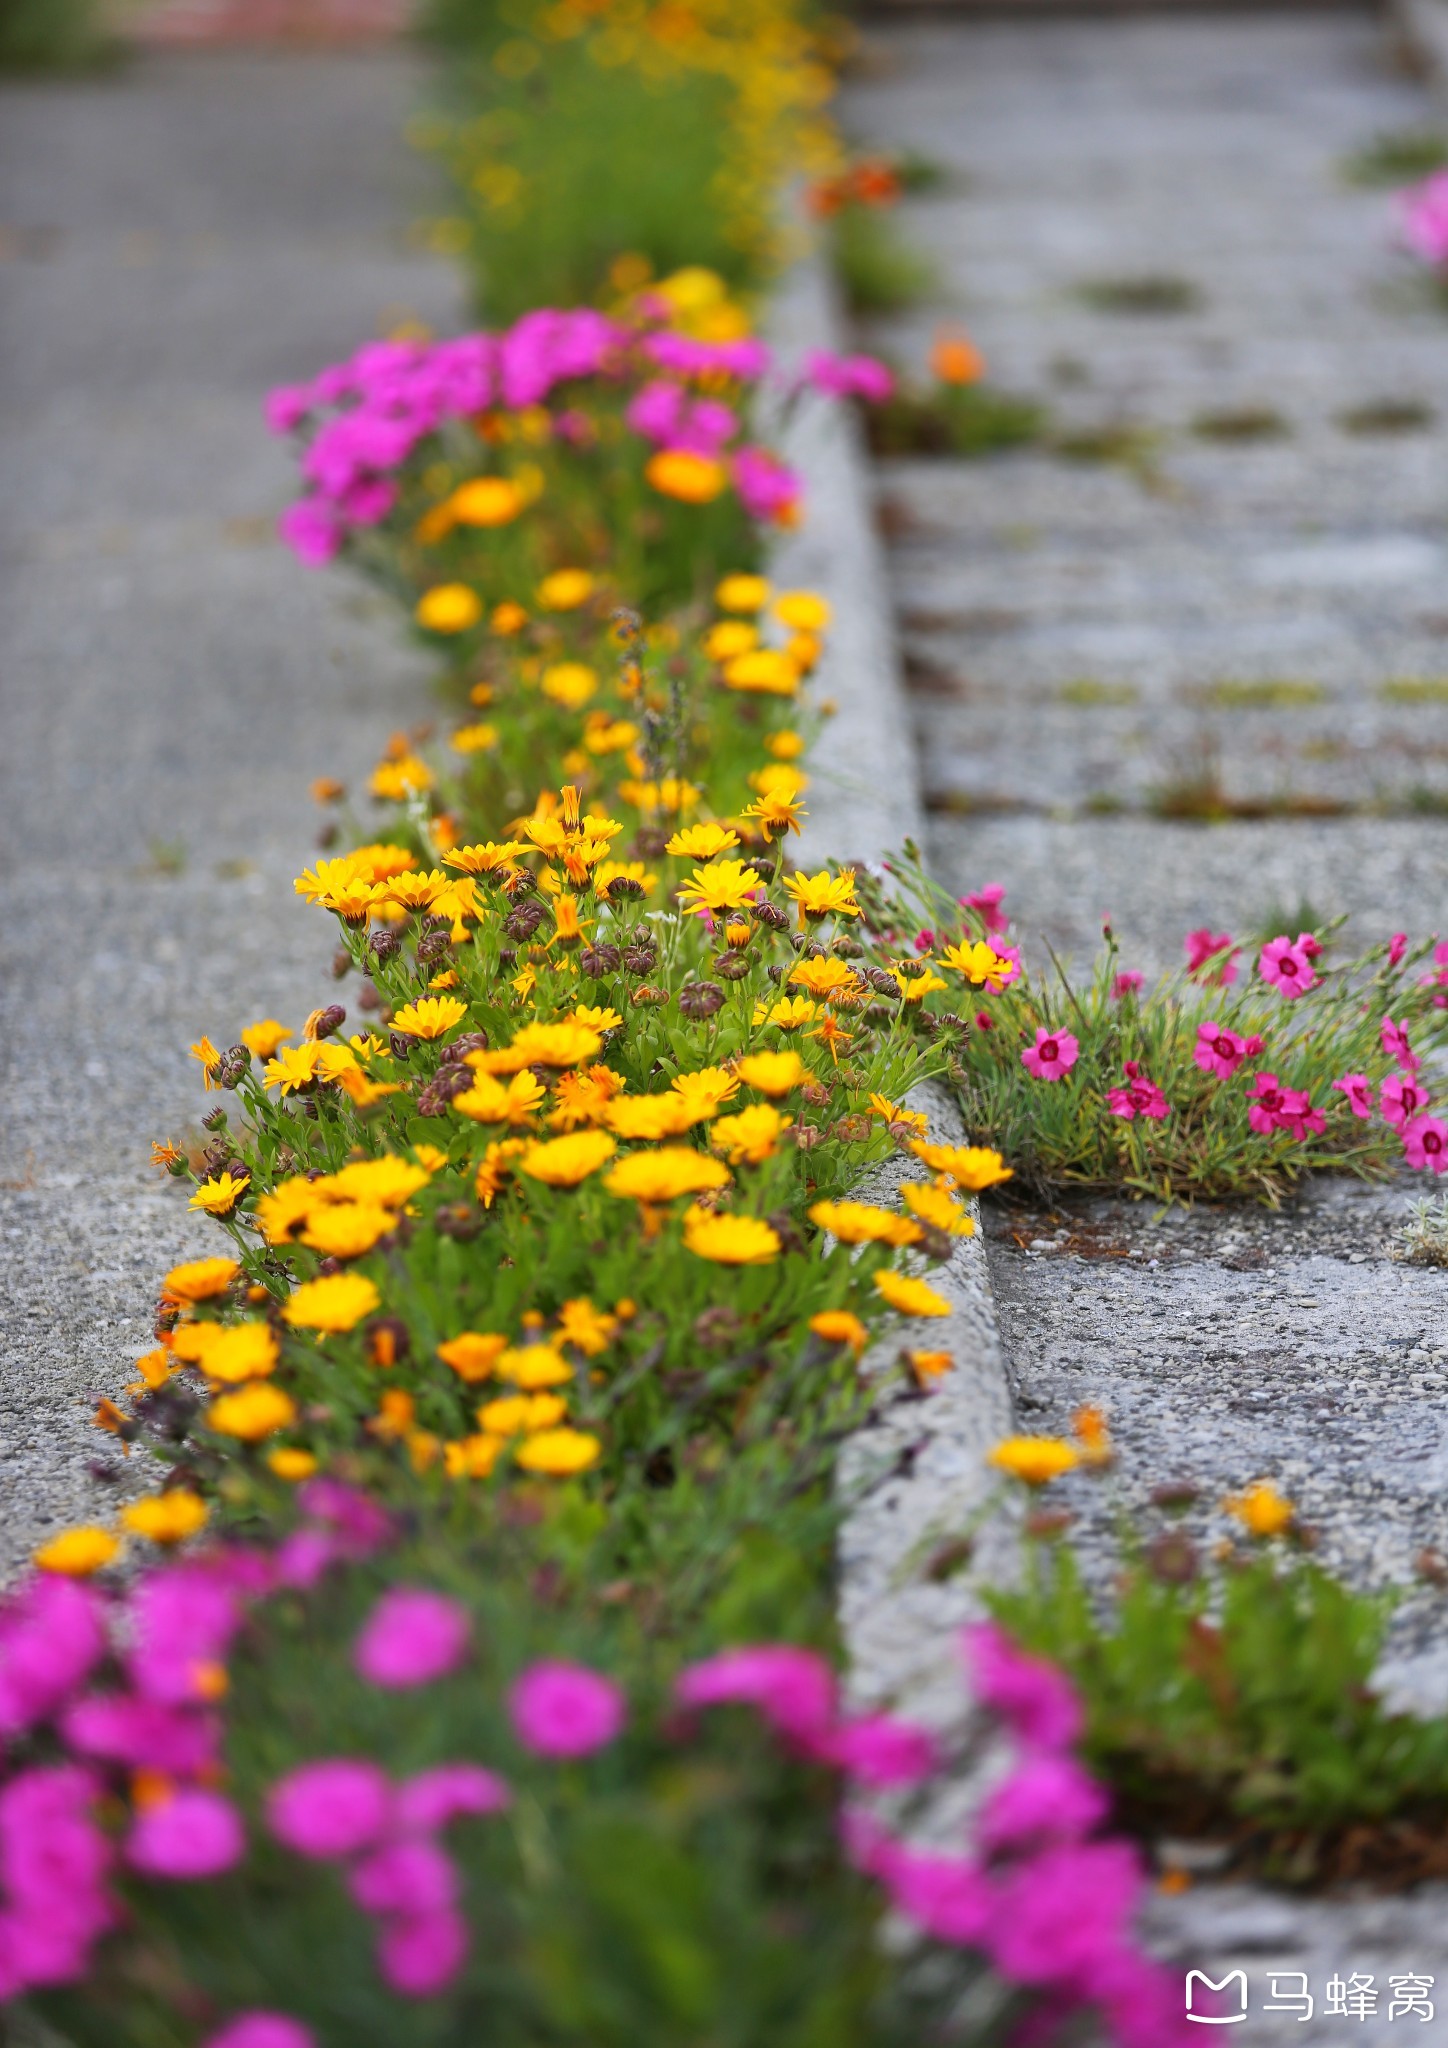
x,y
954,419
878,270
1237,1701
1398,159
52,35
1145,295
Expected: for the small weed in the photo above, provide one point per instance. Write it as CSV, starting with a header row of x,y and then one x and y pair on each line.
x,y
1424,1237
878,271
1387,416
1424,801
1270,693
965,420
918,172
1146,294
1399,159
1415,690
1103,803
1124,443
1087,690
166,857
1250,423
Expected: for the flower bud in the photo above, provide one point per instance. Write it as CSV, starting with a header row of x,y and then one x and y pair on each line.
x,y
623,888
771,915
323,1023
731,966
598,961
341,965
648,997
384,945
214,1119
700,999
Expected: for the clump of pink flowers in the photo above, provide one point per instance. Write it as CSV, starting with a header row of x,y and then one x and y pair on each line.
x,y
1423,214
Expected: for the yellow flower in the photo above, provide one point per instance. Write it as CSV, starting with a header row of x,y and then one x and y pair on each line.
x,y
257,1411
263,1039
508,618
838,1326
663,1175
565,590
763,672
830,978
929,1365
559,1453
569,683
522,1414
220,1195
824,894
291,1465
235,1352
199,1280
972,1167
471,1457
916,987
430,1017
566,1044
934,1206
167,1517
742,594
594,1017
1089,1427
728,885
785,746
803,611
679,473
564,1162
910,1296
702,842
591,1329
386,1179
345,1230
1035,1459
395,781
750,1137
334,1303
474,739
448,608
76,1553
777,812
896,1113
532,1366
860,1223
473,1354
981,964
730,1240
488,859
488,1101
1261,1510
787,1014
649,1117
772,1073
704,1093
730,637
210,1060
486,501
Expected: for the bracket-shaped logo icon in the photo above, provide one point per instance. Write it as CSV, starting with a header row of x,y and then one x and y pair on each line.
x,y
1234,1984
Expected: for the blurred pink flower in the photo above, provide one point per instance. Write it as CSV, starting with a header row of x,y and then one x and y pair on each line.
x,y
794,1689
1056,1914
421,1957
1052,1056
1047,1797
1218,1050
879,1751
1287,965
1397,947
412,1637
986,903
433,1798
1423,213
565,1710
1203,947
1031,1696
945,1896
1358,1090
331,1808
411,1880
183,1618
1425,1141
1397,1047
52,1635
848,376
145,1733
1127,983
188,1833
262,2030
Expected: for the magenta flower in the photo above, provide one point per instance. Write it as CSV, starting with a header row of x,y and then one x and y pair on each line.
x,y
879,1751
412,1637
1031,1696
1288,966
313,532
303,1557
1140,1097
421,1957
1439,977
945,1896
1268,1111
1058,1913
332,1808
999,980
767,490
793,1689
262,2030
183,1618
1397,947
433,1798
1047,1798
1425,1141
356,1517
1397,1048
52,1635
1423,212
188,1834
1218,1050
986,903
1052,1056
286,407
1358,1090
1401,1099
565,1710
54,1861
1298,1115
1127,983
1203,947
848,376
924,941
410,1880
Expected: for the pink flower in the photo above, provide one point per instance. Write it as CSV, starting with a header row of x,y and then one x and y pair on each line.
x,y
1269,1102
1125,984
286,407
1397,1048
793,1689
945,1896
1298,1115
190,1833
1401,1099
143,1733
1013,969
1047,1797
1058,1913
421,1957
986,903
1425,1141
1140,1097
332,1808
1358,1090
1035,1699
52,1635
303,1557
412,1880
410,1638
1287,966
183,1618
924,941
1218,1050
262,2030
433,1798
879,1751
1202,947
1052,1056
313,532
848,376
565,1709
353,1514
1397,947
1423,212
1439,977
767,490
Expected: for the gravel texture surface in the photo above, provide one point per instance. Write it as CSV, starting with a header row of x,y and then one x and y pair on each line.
x,y
176,238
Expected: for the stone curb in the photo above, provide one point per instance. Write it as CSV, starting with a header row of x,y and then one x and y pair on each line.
x,y
916,1476
1420,27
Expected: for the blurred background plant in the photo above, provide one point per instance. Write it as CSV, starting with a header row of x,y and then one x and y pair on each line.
x,y
54,35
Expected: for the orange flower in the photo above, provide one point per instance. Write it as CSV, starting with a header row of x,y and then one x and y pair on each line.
x,y
955,359
692,479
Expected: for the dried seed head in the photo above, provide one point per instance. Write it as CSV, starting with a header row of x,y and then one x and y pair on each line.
x,y
598,961
770,914
384,945
648,997
623,888
700,999
846,948
214,1119
469,1041
731,966
433,947
1172,1557
642,956
523,920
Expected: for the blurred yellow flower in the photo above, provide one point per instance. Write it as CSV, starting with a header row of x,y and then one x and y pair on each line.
x,y
569,683
473,1354
730,1240
263,1039
559,1453
199,1280
531,1366
838,1326
936,1207
448,608
520,1414
474,739
972,1167
256,1411
751,1136
665,1174
742,594
335,1303
805,611
346,1230
766,672
486,501
565,590
167,1517
1035,1459
772,1073
910,1296
1261,1510
679,473
291,1465
862,1223
564,1162
237,1351
76,1553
